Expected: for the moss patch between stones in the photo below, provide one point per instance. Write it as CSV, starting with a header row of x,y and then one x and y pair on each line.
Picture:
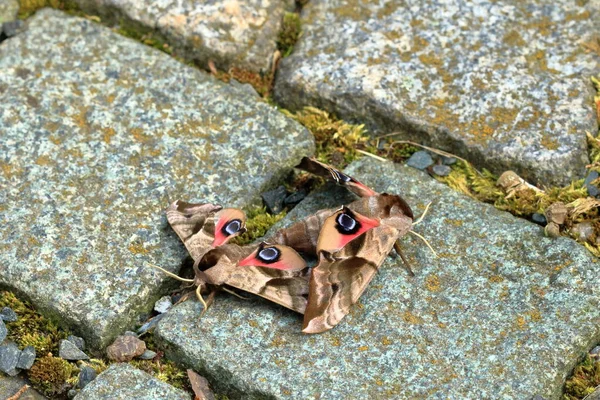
x,y
54,376
586,377
289,34
258,222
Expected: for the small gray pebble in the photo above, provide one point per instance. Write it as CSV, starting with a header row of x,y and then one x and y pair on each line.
x,y
8,315
12,28
129,333
592,190
150,324
3,331
441,170
274,199
539,219
9,357
246,87
77,341
449,160
420,160
537,397
148,355
69,351
163,304
72,393
293,199
86,375
595,352
26,358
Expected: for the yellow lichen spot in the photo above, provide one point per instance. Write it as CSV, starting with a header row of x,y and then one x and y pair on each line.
x,y
496,278
335,341
432,283
454,222
43,160
521,322
107,134
363,348
253,323
139,135
137,248
385,341
410,318
549,142
513,38
379,382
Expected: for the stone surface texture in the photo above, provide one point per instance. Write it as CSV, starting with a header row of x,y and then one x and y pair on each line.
x,y
124,382
231,33
8,11
504,312
10,386
98,134
505,83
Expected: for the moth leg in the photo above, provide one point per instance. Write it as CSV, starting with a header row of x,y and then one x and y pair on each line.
x,y
418,221
172,275
199,296
235,294
426,242
406,263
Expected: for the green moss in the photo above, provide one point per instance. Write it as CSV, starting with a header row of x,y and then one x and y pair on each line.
x,y
289,34
144,35
258,223
28,7
31,328
51,374
336,140
585,378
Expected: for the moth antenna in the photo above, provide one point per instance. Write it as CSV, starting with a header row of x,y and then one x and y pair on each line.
x,y
423,215
426,242
406,263
235,294
172,275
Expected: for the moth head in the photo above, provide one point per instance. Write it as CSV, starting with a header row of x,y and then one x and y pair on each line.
x,y
274,256
342,227
229,223
355,186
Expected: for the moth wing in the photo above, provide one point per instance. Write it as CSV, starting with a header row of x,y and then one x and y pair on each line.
x,y
340,278
188,221
287,288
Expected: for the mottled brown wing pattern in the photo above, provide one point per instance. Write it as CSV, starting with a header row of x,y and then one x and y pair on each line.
x,y
345,265
340,278
287,288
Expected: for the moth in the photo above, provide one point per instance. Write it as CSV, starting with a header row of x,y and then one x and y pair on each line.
x,y
350,244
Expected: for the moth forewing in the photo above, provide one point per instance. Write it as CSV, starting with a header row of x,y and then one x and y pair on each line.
x,y
340,278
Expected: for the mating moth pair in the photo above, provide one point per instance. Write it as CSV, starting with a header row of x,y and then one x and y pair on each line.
x,y
349,243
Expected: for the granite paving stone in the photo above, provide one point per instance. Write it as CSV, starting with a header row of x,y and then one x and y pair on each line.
x,y
98,135
125,382
504,83
231,33
10,386
504,312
